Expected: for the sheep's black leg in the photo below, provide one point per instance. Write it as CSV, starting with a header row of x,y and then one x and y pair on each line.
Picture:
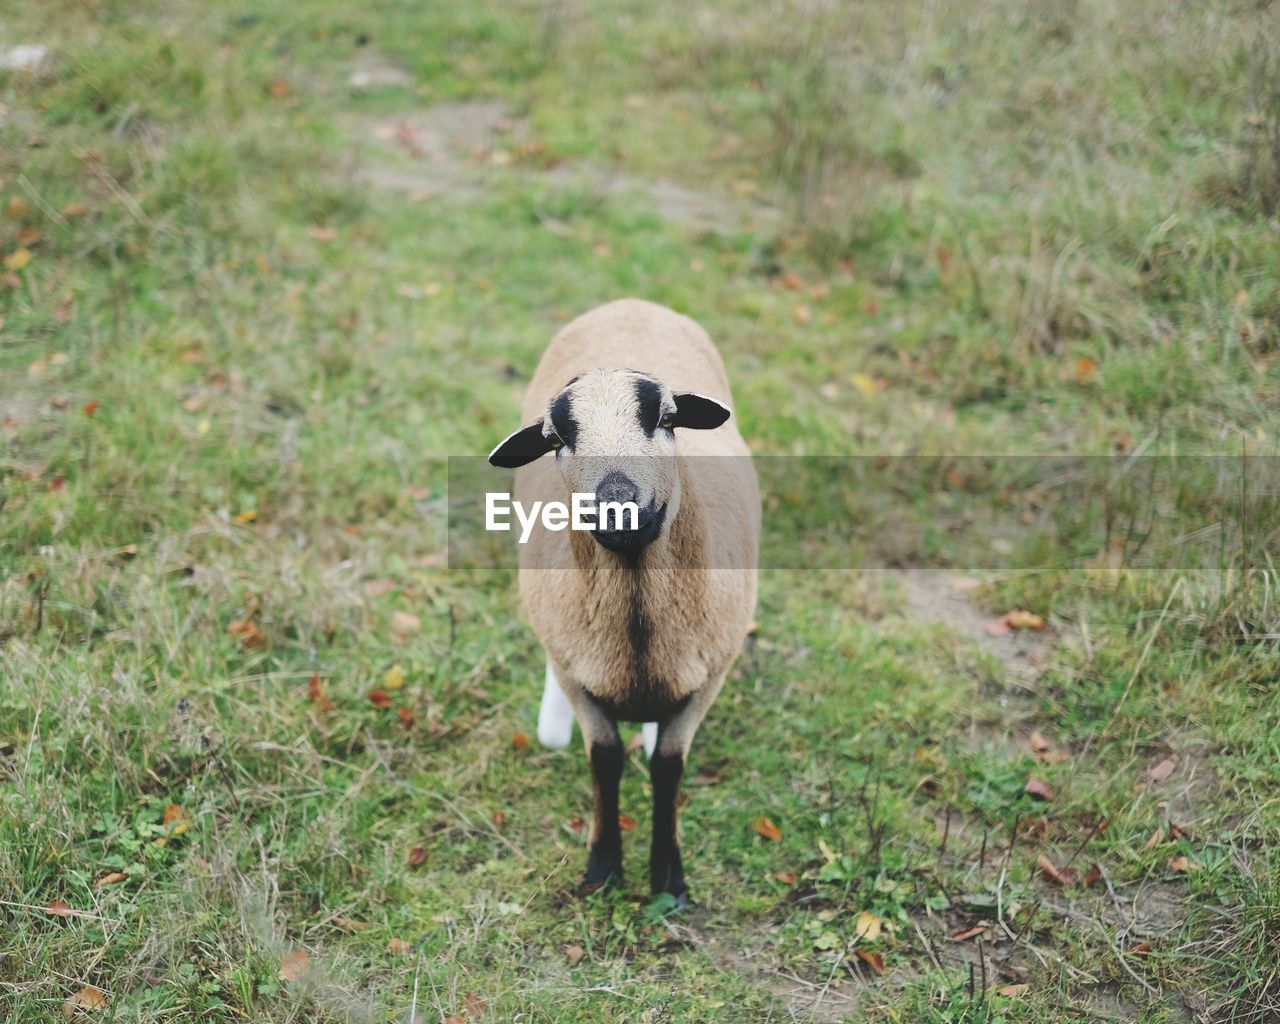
x,y
604,862
666,873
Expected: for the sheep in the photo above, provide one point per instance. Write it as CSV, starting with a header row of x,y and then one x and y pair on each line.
x,y
639,625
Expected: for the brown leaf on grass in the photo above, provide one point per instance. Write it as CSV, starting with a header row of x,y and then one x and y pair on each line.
x,y
1085,368
322,233
405,716
1012,991
791,282
1140,948
16,207
249,515
519,739
417,856
454,1020
1178,831
88,998
1161,772
873,960
91,406
112,878
294,966
626,823
278,89
350,925
1017,618
394,679
474,1005
405,625
1062,876
867,927
1038,742
399,947
17,259
59,908
575,826
1183,864
1157,837
175,820
248,632
968,933
1038,789
376,588
573,954
317,695
787,877
767,829
27,236
74,209
1091,876
801,313
499,818
380,699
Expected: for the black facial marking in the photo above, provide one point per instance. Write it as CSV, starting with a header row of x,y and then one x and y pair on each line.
x,y
649,400
563,420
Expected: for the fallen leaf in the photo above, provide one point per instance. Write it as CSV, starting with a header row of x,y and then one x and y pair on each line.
x,y
348,925
787,877
176,821
801,313
293,966
376,588
519,739
88,998
873,960
626,823
380,699
1037,789
475,1006
454,1020
499,818
394,679
91,407
575,825
1062,876
1038,742
403,624
74,210
1182,864
398,947
1010,991
968,933
249,515
573,954
59,908
16,207
27,236
113,878
279,88
17,259
1157,837
867,927
405,716
791,282
1140,948
867,386
1091,876
315,691
1019,619
417,856
1085,368
322,234
248,632
1162,771
766,828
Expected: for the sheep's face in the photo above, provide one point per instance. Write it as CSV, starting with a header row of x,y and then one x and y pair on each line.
x,y
613,435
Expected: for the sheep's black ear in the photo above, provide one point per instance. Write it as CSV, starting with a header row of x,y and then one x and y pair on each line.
x,y
698,412
522,447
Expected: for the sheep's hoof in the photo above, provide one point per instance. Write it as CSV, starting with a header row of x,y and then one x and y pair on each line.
x,y
602,873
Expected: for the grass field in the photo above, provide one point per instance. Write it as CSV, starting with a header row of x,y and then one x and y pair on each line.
x,y
264,271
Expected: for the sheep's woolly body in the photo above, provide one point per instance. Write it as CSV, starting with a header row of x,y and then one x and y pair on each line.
x,y
647,637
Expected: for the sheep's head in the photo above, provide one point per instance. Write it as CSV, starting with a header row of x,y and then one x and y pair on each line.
x,y
613,435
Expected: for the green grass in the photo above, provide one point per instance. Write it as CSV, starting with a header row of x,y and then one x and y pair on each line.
x,y
968,202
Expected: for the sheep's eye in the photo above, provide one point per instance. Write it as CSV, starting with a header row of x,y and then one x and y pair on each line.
x,y
556,443
668,421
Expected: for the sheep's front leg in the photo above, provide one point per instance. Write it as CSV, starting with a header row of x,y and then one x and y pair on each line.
x,y
604,861
666,873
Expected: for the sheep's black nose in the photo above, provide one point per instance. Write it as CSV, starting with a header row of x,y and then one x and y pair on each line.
x,y
617,487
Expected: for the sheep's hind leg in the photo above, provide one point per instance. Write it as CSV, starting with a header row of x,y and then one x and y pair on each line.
x,y
555,714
